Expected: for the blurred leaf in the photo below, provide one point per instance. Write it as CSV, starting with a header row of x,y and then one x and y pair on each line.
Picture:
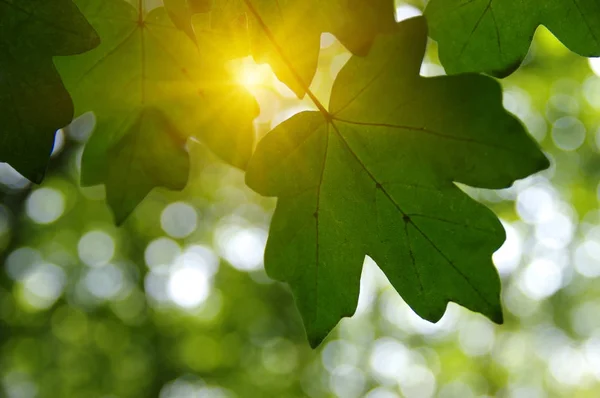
x,y
33,101
145,62
494,37
374,177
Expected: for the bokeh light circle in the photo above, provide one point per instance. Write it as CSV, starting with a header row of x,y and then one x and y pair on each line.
x,y
45,205
96,248
179,220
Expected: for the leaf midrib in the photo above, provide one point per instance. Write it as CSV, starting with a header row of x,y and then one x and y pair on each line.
x,y
129,37
405,215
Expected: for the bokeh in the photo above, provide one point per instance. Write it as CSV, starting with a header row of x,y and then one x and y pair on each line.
x,y
176,303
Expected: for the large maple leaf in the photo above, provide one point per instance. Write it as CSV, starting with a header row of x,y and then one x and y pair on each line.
x,y
33,101
374,176
147,69
494,36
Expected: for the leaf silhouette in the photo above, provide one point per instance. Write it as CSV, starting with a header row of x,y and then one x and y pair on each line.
x,y
374,176
494,36
146,62
33,101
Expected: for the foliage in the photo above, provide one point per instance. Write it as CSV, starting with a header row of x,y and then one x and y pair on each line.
x,y
348,199
175,303
150,89
493,37
31,33
278,32
373,175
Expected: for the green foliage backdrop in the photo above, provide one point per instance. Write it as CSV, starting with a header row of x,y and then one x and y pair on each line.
x,y
90,308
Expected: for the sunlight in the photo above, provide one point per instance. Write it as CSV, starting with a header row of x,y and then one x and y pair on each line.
x,y
252,75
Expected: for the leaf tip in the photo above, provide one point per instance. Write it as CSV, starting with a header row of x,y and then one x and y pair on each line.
x,y
315,339
95,40
120,216
538,163
506,70
544,162
34,174
37,177
120,209
497,316
494,311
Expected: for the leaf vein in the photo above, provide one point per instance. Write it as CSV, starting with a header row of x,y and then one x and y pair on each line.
x,y
397,206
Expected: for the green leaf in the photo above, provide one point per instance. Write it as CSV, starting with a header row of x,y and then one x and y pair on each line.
x,y
33,101
181,15
374,176
145,62
152,153
296,26
223,22
494,36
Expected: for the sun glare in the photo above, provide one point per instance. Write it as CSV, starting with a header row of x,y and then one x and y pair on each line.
x,y
251,74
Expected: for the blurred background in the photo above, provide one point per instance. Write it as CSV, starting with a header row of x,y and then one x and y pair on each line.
x,y
176,304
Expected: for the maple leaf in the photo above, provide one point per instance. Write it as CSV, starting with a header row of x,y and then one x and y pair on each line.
x,y
33,101
494,36
144,63
296,26
374,176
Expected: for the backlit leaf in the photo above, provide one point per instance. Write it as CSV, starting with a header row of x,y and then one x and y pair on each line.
x,y
375,176
146,63
296,26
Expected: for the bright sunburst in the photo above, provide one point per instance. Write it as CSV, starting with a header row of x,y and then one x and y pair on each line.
x,y
251,74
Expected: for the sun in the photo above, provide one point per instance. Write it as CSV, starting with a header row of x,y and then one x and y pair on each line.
x,y
252,75
258,79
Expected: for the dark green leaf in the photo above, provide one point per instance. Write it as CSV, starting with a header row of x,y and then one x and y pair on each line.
x,y
375,177
145,62
494,36
33,101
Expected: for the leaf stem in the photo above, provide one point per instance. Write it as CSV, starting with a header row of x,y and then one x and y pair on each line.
x,y
287,62
140,12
